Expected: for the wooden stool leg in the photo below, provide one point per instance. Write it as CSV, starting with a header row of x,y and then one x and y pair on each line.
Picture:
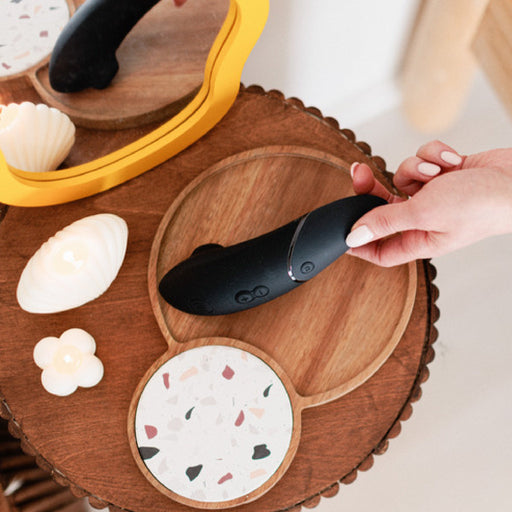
x,y
492,46
4,506
439,66
24,487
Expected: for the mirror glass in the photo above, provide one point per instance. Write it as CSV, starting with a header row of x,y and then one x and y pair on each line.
x,y
161,68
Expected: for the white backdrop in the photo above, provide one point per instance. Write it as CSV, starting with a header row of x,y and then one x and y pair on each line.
x,y
339,56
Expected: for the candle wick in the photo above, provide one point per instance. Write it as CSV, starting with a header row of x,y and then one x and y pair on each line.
x,y
69,257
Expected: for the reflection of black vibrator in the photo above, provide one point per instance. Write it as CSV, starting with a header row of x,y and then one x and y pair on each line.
x,y
218,280
84,54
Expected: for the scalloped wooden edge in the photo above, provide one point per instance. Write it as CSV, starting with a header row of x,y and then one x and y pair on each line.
x,y
407,409
37,489
404,414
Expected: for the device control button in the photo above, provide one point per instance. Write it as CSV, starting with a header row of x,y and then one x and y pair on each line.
x,y
244,297
260,291
307,267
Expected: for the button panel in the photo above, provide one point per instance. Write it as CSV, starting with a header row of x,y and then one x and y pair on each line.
x,y
246,296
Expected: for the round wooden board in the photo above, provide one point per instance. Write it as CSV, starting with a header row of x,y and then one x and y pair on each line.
x,y
37,28
292,405
161,68
331,333
82,439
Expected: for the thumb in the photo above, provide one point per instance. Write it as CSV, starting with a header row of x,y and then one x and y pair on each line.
x,y
381,222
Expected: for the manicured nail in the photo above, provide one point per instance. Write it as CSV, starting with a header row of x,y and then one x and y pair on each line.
x,y
353,168
360,236
429,169
451,158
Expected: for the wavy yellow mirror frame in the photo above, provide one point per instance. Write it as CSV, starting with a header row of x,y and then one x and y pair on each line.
x,y
241,29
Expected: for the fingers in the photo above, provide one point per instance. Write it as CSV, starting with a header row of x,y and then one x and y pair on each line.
x,y
364,182
400,231
413,173
431,160
396,250
375,224
382,222
439,153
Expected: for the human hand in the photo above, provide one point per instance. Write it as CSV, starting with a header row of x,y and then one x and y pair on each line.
x,y
454,201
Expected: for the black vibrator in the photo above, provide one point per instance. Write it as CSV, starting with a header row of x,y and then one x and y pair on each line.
x,y
218,280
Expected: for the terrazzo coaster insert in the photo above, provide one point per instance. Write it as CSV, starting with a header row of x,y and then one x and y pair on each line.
x,y
213,423
28,32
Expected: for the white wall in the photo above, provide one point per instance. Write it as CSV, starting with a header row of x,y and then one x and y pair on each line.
x,y
339,56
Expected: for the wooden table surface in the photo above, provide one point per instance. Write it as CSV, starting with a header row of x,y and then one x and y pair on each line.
x,y
82,439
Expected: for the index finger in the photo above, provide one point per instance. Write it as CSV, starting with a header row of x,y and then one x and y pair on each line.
x,y
364,182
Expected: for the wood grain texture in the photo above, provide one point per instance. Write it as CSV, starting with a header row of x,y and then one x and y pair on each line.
x,y
82,439
492,46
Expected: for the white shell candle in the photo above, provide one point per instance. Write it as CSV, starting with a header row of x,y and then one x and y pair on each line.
x,y
75,266
68,362
35,138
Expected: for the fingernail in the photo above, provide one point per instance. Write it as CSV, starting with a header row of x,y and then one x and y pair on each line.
x,y
451,158
429,169
360,236
353,168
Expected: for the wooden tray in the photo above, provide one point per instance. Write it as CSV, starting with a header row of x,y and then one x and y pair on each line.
x,y
330,334
323,339
82,439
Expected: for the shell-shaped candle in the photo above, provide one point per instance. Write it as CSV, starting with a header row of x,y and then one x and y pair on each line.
x,y
35,138
68,362
74,266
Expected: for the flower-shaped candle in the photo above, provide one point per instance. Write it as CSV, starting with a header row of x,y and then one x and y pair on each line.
x,y
68,362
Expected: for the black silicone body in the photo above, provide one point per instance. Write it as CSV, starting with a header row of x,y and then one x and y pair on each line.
x,y
219,280
84,54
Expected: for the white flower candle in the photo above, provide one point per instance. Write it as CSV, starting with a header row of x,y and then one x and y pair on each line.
x,y
68,362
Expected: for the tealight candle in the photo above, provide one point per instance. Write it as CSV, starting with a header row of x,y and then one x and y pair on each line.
x,y
68,362
67,359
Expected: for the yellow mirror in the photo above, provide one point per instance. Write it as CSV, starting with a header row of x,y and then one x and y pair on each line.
x,y
241,28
